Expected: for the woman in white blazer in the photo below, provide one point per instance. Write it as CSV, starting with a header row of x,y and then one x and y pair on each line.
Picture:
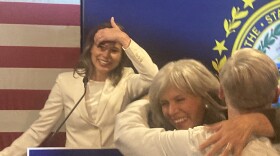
x,y
110,88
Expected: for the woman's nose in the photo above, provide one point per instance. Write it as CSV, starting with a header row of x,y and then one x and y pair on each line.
x,y
173,108
106,53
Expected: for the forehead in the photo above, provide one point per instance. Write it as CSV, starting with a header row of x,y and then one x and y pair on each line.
x,y
171,91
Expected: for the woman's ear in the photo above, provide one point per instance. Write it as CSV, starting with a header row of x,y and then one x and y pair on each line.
x,y
277,92
221,93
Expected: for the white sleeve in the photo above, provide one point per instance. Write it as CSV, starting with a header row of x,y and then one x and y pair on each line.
x,y
260,146
40,128
133,137
144,65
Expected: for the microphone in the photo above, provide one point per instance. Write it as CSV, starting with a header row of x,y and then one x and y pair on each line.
x,y
85,81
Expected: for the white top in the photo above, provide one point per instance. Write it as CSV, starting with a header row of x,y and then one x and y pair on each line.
x,y
92,97
81,130
133,137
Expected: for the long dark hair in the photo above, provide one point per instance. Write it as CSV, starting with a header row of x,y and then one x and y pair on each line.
x,y
85,67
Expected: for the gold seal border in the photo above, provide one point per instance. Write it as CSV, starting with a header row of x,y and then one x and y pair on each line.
x,y
252,21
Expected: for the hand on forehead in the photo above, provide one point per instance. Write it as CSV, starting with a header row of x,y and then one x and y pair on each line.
x,y
108,34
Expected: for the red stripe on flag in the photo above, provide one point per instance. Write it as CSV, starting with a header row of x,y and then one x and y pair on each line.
x,y
35,57
58,140
6,138
38,57
38,13
23,99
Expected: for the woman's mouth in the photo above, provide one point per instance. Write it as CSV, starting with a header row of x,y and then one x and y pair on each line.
x,y
180,120
104,62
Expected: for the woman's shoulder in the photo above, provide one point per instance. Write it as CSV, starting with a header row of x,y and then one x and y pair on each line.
x,y
69,76
128,71
66,74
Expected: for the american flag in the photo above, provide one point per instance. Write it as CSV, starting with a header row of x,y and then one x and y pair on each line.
x,y
38,40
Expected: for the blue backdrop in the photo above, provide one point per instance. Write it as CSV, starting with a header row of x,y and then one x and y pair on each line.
x,y
174,29
204,30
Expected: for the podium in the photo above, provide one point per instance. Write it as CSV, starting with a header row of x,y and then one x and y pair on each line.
x,y
62,151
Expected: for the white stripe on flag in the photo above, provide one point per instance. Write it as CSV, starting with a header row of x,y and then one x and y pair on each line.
x,y
20,120
39,35
29,78
17,120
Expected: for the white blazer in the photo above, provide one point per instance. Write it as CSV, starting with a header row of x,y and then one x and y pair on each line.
x,y
81,131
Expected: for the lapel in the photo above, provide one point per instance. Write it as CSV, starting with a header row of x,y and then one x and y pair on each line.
x,y
102,104
104,99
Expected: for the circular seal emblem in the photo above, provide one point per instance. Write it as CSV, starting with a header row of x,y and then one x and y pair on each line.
x,y
259,30
262,31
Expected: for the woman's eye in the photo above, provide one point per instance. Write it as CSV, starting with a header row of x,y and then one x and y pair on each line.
x,y
102,47
180,99
115,51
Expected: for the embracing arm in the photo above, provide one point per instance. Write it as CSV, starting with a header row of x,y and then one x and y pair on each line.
x,y
237,131
273,115
132,134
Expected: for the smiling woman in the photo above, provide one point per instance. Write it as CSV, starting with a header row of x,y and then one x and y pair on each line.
x,y
185,91
182,110
103,54
105,57
110,88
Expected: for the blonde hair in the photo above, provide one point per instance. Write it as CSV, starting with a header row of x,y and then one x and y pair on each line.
x,y
189,76
249,79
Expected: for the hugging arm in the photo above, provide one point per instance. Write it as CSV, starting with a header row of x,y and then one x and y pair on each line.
x,y
235,133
